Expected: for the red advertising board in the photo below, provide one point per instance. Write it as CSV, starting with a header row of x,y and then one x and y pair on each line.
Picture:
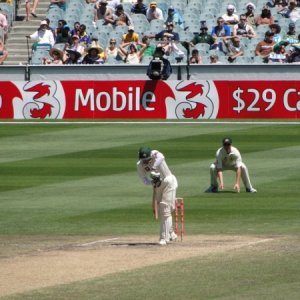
x,y
144,99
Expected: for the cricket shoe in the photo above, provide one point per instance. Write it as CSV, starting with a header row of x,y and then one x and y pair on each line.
x,y
212,189
173,236
162,242
252,190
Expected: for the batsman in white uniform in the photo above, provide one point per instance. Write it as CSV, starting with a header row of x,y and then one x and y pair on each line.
x,y
153,170
229,158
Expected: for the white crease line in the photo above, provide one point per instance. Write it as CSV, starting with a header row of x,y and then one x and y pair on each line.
x,y
96,242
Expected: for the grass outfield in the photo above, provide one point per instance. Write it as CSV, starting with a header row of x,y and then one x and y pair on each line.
x,y
80,180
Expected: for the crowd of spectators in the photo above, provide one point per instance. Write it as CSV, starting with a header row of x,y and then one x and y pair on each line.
x,y
255,34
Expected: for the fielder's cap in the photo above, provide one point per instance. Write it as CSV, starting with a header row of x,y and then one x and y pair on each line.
x,y
227,141
43,23
171,8
144,153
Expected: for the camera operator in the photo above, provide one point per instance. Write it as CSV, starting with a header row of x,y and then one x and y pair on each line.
x,y
159,67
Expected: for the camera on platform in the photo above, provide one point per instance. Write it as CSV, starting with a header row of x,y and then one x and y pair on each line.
x,y
159,67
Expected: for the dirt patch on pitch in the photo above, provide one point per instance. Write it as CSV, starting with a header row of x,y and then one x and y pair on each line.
x,y
40,263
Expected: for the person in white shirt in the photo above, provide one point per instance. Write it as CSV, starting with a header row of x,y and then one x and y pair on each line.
x,y
153,170
153,12
230,17
43,35
229,158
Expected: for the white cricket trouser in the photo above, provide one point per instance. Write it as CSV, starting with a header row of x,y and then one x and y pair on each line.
x,y
244,175
166,196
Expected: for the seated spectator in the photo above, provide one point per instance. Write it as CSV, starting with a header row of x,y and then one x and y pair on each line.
x,y
276,29
195,58
84,38
132,56
113,51
56,57
218,32
75,45
73,57
292,11
64,36
3,52
120,17
242,29
265,18
214,59
174,17
250,8
279,4
60,25
169,31
229,17
203,36
76,28
58,3
291,36
265,47
3,24
150,48
95,43
278,55
103,12
139,8
130,36
153,12
294,56
170,47
93,56
234,47
43,36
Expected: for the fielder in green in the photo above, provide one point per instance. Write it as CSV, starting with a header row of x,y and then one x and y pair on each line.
x,y
153,170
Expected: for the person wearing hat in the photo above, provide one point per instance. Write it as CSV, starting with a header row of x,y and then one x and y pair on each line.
x,y
103,12
75,45
93,55
139,8
73,57
250,16
120,17
230,18
203,37
265,47
130,36
279,54
291,36
153,171
229,158
242,29
265,18
56,57
154,12
169,31
43,36
175,17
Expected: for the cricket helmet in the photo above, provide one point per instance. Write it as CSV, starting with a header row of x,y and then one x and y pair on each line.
x,y
227,141
144,153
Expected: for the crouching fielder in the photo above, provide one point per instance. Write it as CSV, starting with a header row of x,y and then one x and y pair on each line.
x,y
229,158
153,170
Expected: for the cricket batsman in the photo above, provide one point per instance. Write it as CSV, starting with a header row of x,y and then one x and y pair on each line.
x,y
153,170
229,158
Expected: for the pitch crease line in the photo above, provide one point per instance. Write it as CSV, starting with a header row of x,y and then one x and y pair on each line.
x,y
99,241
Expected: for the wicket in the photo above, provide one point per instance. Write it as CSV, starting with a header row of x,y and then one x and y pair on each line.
x,y
179,205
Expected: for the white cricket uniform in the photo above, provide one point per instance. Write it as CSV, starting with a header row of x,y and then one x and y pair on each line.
x,y
229,161
165,194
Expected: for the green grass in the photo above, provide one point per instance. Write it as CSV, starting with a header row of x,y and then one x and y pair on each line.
x,y
63,180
